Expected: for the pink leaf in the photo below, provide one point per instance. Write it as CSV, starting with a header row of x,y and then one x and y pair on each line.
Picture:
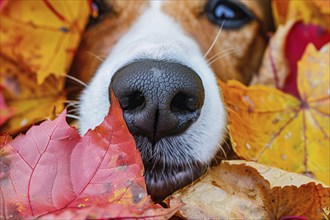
x,y
52,171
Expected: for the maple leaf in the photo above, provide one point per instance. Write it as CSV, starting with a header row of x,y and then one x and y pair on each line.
x,y
247,190
42,35
33,103
52,172
277,129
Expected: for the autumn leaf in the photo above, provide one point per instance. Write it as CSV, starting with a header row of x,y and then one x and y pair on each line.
x,y
277,129
42,35
285,49
310,12
5,111
2,4
323,6
32,103
247,190
52,172
4,139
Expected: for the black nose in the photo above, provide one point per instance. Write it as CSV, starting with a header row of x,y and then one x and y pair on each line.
x,y
158,98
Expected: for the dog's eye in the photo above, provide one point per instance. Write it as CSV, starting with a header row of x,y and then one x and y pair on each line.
x,y
229,13
99,9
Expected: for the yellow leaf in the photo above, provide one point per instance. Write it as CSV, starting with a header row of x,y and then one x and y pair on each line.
x,y
280,130
42,35
311,11
32,102
247,190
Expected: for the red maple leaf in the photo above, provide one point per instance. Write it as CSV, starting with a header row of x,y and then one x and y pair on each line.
x,y
53,172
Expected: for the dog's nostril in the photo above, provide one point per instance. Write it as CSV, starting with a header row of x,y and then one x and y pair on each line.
x,y
133,101
183,103
159,98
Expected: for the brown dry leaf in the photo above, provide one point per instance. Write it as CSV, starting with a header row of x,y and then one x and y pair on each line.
x,y
42,35
247,190
311,11
32,102
277,129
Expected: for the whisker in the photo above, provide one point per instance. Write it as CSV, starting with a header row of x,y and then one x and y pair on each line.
x,y
232,111
73,116
214,41
223,151
222,55
226,140
94,55
75,105
76,80
70,101
222,52
74,110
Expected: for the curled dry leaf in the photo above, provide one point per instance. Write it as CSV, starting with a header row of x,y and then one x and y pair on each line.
x,y
42,35
247,190
52,172
277,129
32,103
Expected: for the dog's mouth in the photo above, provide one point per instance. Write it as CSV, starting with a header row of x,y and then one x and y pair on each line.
x,y
167,165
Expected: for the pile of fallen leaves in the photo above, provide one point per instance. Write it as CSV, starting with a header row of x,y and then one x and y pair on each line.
x,y
281,121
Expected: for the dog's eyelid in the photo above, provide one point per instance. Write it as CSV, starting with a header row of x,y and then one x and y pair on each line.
x,y
234,13
99,9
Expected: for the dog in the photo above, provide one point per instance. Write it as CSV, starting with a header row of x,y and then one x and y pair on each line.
x,y
162,59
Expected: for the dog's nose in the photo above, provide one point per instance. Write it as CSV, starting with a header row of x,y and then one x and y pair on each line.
x,y
159,98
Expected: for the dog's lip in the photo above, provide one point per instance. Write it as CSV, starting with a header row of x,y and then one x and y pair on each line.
x,y
162,183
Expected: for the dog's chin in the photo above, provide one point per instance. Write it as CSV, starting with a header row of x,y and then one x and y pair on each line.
x,y
168,167
163,182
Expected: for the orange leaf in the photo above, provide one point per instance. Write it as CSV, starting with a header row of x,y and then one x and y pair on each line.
x,y
280,130
324,6
32,102
42,35
311,11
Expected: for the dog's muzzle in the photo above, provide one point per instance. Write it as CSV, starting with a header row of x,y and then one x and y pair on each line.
x,y
159,98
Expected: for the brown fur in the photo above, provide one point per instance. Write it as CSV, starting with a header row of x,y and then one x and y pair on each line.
x,y
99,39
241,65
250,40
